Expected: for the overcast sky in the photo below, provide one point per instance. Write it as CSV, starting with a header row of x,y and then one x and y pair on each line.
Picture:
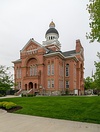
x,y
21,20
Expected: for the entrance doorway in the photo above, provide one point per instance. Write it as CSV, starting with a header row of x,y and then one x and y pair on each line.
x,y
25,86
30,85
35,85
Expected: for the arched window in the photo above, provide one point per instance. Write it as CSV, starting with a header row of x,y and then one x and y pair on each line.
x,y
33,70
48,69
67,69
52,69
53,37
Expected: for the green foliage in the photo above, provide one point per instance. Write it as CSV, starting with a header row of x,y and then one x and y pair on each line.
x,y
88,83
94,11
97,75
94,84
84,109
1,104
5,79
30,95
7,105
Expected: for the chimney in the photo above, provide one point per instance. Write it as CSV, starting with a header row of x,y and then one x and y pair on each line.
x,y
78,46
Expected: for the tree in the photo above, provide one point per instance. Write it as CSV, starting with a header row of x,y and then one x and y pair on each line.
x,y
97,73
88,83
6,81
94,11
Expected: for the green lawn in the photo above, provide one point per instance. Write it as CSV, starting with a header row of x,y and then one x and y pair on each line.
x,y
84,109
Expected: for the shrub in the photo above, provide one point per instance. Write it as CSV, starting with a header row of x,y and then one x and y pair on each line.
x,y
1,95
1,104
10,105
4,104
30,95
23,95
7,105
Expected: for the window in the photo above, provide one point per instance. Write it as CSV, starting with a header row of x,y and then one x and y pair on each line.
x,y
19,85
67,84
33,70
52,69
18,73
52,83
67,69
49,85
48,69
60,83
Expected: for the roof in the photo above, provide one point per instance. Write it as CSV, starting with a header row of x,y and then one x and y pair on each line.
x,y
49,51
69,53
17,61
52,30
65,54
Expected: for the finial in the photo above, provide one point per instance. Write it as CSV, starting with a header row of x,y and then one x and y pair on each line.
x,y
52,24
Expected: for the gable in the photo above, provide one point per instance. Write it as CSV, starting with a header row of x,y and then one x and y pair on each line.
x,y
31,45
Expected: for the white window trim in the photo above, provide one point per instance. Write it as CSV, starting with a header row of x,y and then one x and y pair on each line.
x,y
52,69
49,69
52,83
67,70
49,84
67,84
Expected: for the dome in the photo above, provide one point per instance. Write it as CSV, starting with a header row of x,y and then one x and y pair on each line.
x,y
52,29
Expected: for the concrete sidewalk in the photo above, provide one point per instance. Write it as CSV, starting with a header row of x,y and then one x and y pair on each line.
x,y
9,96
23,123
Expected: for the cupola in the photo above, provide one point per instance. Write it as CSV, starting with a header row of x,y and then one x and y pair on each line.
x,y
52,36
52,33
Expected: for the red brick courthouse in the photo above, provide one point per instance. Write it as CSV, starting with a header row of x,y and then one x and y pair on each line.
x,y
45,69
